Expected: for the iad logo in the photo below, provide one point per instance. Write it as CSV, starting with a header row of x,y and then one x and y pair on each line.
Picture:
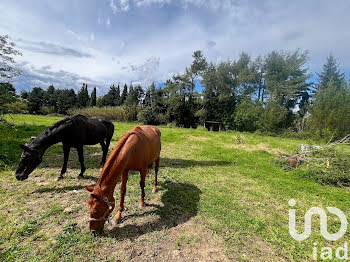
x,y
326,252
323,224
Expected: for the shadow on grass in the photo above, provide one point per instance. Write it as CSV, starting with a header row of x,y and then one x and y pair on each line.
x,y
180,204
10,150
53,157
184,163
58,189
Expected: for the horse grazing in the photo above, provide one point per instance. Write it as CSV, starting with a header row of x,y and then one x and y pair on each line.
x,y
136,150
74,131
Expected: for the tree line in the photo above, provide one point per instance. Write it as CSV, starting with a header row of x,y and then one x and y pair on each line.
x,y
271,93
59,101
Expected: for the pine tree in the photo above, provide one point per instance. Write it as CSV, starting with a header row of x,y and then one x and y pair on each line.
x,y
112,97
330,111
135,95
330,72
35,100
287,86
130,98
83,96
50,97
210,95
66,100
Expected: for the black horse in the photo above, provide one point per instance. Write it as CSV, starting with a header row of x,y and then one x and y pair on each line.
x,y
74,131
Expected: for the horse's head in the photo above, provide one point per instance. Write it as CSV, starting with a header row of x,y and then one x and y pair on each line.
x,y
100,209
29,160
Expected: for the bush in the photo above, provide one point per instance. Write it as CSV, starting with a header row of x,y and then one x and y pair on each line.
x,y
46,110
201,128
18,107
275,117
150,117
118,113
247,115
298,135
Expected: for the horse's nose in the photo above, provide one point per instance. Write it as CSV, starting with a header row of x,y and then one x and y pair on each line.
x,y
20,177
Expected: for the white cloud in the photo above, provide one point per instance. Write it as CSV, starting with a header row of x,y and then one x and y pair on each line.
x,y
144,3
113,6
124,5
156,38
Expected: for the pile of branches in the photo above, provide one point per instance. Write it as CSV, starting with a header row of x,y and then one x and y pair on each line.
x,y
316,154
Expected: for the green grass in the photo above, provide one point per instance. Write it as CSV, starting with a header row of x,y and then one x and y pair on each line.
x,y
229,182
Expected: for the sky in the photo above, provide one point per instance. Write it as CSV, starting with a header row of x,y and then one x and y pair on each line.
x,y
100,42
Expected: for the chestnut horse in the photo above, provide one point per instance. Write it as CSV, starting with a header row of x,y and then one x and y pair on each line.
x,y
136,150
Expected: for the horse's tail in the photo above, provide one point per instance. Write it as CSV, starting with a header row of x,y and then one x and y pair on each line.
x,y
109,126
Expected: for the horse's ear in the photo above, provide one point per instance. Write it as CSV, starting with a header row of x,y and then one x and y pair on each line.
x,y
26,147
89,188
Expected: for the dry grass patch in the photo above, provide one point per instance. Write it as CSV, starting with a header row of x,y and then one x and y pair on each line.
x,y
198,138
251,148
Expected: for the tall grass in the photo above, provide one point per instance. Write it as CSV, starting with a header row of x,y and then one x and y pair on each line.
x,y
117,113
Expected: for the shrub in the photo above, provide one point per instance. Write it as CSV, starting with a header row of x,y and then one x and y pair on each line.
x,y
298,135
18,107
201,128
247,115
46,110
150,117
275,117
118,113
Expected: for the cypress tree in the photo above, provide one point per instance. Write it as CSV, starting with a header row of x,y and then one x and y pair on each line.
x,y
124,94
93,98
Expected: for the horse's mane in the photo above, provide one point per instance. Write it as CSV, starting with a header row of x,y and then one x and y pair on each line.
x,y
115,153
51,130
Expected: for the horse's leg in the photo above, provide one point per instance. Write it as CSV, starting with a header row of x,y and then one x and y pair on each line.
x,y
80,150
156,168
108,140
143,174
66,150
118,216
104,153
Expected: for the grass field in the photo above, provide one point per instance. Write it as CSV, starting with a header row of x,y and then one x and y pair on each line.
x,y
222,196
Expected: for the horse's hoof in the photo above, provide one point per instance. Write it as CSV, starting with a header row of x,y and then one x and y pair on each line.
x,y
142,204
115,221
154,190
60,177
80,177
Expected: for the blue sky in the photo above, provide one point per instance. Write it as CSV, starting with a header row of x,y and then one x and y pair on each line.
x,y
101,42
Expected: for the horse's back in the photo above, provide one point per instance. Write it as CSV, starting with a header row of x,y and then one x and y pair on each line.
x,y
90,131
143,146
